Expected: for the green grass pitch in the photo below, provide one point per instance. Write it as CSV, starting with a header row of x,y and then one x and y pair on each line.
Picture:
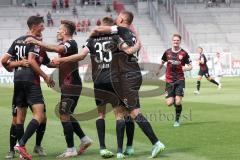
x,y
209,131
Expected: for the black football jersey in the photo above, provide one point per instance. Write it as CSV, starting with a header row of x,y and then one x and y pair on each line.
x,y
68,72
102,52
19,50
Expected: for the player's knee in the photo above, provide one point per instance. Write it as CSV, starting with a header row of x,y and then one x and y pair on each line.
x,y
169,102
101,115
64,117
178,102
134,113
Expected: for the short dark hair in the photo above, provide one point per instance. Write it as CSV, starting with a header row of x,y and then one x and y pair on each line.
x,y
108,20
177,35
70,25
129,16
34,20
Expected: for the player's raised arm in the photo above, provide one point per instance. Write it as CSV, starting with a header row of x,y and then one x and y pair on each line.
x,y
130,50
48,47
101,30
73,58
34,65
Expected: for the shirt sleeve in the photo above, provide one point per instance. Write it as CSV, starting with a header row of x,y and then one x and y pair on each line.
x,y
88,44
164,57
46,60
34,49
67,46
187,59
114,29
11,51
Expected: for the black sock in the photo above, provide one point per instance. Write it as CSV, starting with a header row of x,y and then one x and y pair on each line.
x,y
19,131
13,137
68,132
77,128
130,127
146,128
214,82
100,124
31,128
198,85
120,127
40,133
178,110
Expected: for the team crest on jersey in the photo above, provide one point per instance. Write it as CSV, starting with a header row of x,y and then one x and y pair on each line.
x,y
180,57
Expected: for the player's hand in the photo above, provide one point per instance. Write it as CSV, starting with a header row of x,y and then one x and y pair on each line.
x,y
56,61
49,81
157,73
31,40
24,63
93,33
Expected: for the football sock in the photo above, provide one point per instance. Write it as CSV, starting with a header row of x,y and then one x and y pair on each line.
x,y
146,128
19,131
120,127
31,128
213,81
178,110
77,128
198,85
13,137
68,133
130,127
40,133
100,124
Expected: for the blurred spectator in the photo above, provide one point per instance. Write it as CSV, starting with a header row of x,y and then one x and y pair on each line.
x,y
61,4
28,3
54,5
228,3
98,23
98,2
108,8
66,3
49,19
78,27
75,12
35,3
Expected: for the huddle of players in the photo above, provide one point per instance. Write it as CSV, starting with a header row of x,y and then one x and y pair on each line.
x,y
115,72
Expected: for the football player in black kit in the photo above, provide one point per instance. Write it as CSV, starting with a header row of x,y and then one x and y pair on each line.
x,y
130,79
27,89
203,71
103,49
71,86
43,59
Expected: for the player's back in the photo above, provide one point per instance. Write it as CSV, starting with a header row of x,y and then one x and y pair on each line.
x,y
102,49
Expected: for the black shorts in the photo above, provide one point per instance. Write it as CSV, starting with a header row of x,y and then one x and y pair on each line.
x,y
204,73
175,89
68,104
14,107
104,93
128,89
27,94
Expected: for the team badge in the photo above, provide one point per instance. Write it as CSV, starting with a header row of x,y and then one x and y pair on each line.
x,y
180,57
